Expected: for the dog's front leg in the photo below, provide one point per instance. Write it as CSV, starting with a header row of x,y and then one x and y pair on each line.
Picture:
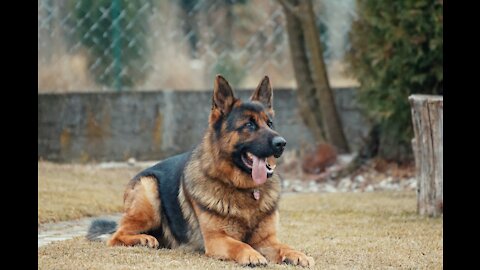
x,y
265,241
222,246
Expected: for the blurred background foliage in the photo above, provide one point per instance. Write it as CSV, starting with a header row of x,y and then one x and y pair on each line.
x,y
396,50
113,32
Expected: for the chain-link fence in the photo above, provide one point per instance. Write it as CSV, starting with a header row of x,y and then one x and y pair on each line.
x,y
86,45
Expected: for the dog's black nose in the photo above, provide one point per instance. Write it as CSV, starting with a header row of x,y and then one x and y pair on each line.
x,y
279,144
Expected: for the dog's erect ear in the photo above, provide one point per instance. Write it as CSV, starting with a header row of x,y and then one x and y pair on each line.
x,y
263,93
223,97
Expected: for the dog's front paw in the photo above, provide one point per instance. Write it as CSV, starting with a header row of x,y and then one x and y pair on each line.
x,y
297,258
148,240
251,258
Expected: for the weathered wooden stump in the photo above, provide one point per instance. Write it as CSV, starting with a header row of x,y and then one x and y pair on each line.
x,y
427,118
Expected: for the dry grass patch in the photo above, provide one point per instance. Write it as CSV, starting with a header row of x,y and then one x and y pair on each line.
x,y
67,191
340,230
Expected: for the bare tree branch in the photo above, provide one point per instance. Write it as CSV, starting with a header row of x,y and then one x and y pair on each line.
x,y
290,8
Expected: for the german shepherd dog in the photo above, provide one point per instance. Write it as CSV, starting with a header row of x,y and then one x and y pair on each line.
x,y
222,197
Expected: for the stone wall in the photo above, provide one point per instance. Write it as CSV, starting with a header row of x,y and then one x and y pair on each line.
x,y
114,126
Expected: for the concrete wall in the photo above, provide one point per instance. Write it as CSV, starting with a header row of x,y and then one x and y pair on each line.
x,y
82,127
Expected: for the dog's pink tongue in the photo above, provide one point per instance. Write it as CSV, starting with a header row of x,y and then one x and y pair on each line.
x,y
259,170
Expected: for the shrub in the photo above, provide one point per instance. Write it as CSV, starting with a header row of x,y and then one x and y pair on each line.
x,y
114,34
396,50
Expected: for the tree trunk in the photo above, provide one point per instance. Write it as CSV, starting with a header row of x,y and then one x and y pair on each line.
x,y
315,97
427,118
308,104
331,120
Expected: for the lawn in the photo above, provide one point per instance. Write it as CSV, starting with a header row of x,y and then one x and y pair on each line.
x,y
378,230
72,191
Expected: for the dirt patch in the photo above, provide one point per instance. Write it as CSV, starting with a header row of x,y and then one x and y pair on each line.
x,y
65,230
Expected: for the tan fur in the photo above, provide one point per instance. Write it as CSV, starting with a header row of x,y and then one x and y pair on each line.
x,y
265,241
215,192
228,214
141,214
194,234
222,240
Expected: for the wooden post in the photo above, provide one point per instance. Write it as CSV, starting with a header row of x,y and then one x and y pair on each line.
x,y
427,118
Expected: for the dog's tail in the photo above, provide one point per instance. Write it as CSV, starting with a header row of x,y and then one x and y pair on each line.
x,y
100,228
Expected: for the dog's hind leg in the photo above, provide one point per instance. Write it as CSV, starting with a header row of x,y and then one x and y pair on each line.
x,y
141,214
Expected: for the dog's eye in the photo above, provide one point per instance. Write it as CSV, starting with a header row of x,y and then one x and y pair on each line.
x,y
270,124
251,125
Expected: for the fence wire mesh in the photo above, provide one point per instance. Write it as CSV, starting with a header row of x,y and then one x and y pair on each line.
x,y
86,45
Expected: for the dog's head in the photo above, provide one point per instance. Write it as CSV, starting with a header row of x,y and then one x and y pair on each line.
x,y
245,131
